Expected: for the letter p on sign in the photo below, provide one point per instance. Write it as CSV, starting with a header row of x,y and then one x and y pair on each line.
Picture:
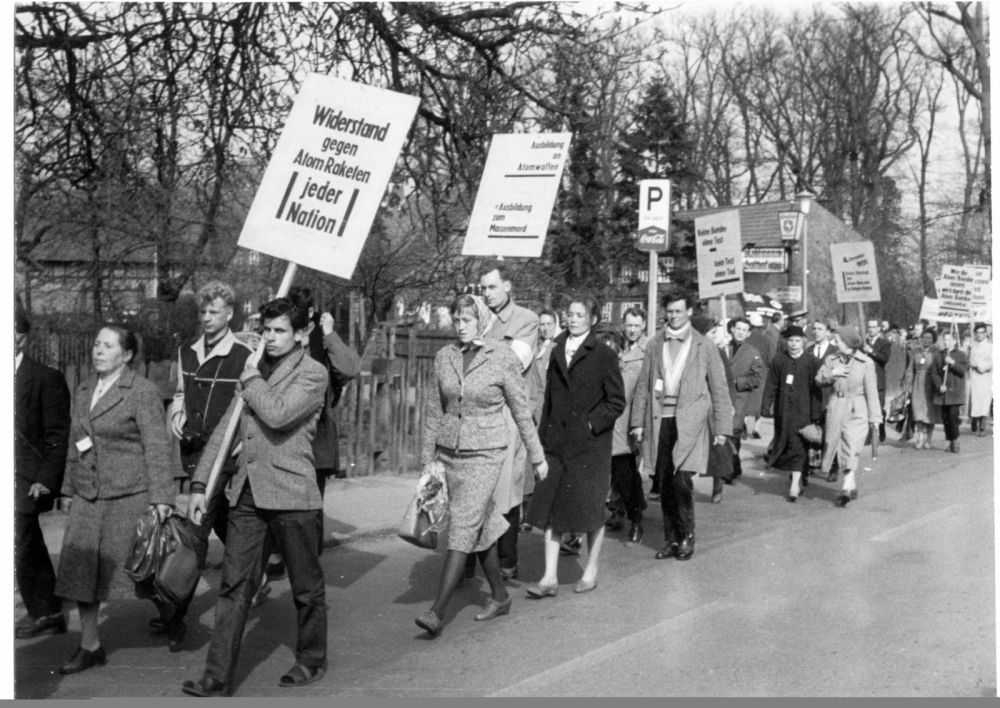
x,y
654,215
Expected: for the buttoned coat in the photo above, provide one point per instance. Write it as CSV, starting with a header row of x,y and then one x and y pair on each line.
x,y
276,430
795,405
703,405
852,406
955,378
980,378
630,362
748,377
41,433
468,410
130,450
582,401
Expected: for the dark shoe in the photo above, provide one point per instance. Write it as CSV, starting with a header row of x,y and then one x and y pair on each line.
x,y
686,548
538,591
158,625
615,523
205,687
833,476
717,498
175,634
508,573
33,627
276,571
494,609
83,660
525,527
583,586
300,675
791,498
804,479
430,623
843,499
669,550
262,592
570,547
635,533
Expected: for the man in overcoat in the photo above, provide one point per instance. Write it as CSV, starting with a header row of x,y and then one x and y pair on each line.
x,y
517,327
273,490
683,383
748,377
879,348
41,436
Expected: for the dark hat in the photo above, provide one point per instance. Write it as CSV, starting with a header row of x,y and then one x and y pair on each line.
x,y
22,325
793,331
797,314
850,335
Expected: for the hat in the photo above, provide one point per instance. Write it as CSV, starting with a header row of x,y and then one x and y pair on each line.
x,y
850,335
793,331
755,319
797,314
702,323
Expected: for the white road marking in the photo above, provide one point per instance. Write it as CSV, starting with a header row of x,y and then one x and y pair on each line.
x,y
900,530
601,655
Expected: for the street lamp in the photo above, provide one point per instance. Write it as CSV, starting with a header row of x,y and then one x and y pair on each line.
x,y
804,203
793,226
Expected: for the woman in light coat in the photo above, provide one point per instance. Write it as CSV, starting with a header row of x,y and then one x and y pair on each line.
x,y
980,379
853,407
478,379
917,384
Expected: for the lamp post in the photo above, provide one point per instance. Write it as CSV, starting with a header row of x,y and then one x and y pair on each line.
x,y
804,203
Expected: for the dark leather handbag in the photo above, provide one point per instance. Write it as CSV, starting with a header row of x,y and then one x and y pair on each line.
x,y
720,461
147,548
163,563
415,527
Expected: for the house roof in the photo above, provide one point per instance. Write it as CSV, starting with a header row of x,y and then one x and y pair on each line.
x,y
759,222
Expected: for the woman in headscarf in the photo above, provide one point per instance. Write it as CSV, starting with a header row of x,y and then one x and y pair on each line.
x,y
466,431
853,406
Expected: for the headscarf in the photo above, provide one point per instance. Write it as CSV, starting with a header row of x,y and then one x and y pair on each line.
x,y
850,335
484,318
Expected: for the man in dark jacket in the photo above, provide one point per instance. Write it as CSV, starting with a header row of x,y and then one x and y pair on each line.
x,y
748,376
207,372
41,436
879,348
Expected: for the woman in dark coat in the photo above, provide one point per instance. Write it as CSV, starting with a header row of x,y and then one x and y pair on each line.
x,y
948,384
791,390
119,465
584,395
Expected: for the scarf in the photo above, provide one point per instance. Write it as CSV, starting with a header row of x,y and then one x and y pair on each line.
x,y
484,321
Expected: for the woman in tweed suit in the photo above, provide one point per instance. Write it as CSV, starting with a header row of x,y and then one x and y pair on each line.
x,y
119,465
466,430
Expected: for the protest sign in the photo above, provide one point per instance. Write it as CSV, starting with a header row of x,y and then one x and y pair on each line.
x,y
516,193
718,248
973,283
854,273
326,179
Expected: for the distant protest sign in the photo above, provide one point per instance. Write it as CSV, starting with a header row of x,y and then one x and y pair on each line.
x,y
719,250
516,193
973,283
328,174
929,309
854,272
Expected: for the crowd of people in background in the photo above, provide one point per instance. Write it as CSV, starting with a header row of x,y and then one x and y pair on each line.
x,y
549,421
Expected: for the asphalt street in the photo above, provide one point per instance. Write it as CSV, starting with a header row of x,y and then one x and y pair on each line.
x,y
893,595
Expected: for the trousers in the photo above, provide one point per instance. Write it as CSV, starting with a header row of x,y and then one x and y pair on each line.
x,y
33,571
294,534
676,486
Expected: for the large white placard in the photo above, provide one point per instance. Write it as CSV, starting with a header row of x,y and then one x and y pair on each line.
x,y
718,248
854,273
328,174
974,283
518,188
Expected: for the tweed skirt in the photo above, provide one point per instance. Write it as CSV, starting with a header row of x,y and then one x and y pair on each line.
x,y
98,540
474,520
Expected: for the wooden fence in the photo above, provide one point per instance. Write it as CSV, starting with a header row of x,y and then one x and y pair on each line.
x,y
380,417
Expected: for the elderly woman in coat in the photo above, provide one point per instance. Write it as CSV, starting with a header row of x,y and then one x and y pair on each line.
x,y
584,395
853,407
980,379
119,467
478,380
918,386
948,376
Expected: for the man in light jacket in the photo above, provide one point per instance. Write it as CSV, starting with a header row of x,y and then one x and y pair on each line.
x,y
273,489
683,382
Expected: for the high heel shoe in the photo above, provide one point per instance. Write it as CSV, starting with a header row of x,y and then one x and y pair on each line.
x,y
495,609
430,623
843,499
584,586
83,660
538,591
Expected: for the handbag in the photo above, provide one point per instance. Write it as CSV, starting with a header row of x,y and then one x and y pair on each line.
x,y
163,563
147,548
812,433
720,461
415,527
897,408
